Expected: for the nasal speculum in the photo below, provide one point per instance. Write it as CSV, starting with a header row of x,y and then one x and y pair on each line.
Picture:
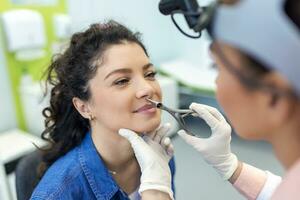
x,y
178,114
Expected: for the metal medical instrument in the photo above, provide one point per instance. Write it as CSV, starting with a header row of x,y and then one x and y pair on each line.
x,y
178,114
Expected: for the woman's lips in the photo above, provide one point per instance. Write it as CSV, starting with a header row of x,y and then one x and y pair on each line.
x,y
146,109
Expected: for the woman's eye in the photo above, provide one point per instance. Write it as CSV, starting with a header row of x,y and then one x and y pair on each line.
x,y
121,82
151,75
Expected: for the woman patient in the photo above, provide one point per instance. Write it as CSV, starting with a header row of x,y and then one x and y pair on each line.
x,y
100,85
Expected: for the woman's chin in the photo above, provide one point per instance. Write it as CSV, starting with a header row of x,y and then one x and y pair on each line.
x,y
147,128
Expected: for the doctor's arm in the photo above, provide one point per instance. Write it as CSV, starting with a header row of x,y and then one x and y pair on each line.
x,y
251,182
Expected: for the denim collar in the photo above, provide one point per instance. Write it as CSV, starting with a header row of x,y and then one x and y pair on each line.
x,y
98,176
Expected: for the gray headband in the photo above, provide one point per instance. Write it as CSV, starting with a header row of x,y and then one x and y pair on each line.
x,y
263,30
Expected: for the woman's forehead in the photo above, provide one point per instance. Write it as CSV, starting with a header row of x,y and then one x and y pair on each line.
x,y
130,56
123,55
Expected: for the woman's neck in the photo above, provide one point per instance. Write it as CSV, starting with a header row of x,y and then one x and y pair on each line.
x,y
286,144
115,150
118,156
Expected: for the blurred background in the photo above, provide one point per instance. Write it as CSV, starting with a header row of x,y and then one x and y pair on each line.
x,y
32,31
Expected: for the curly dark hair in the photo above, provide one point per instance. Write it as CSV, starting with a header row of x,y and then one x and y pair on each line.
x,y
68,76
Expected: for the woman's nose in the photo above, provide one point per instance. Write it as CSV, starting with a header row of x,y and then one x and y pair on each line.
x,y
145,90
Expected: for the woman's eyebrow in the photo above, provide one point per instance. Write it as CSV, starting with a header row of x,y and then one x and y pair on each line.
x,y
148,65
127,70
121,70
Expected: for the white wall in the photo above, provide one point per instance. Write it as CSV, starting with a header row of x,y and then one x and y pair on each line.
x,y
7,108
162,39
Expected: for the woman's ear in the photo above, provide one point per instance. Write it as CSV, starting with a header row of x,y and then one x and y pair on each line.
x,y
280,105
82,107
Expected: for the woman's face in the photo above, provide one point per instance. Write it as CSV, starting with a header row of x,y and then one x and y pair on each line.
x,y
125,78
244,108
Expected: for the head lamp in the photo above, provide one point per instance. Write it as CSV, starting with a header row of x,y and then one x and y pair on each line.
x,y
197,18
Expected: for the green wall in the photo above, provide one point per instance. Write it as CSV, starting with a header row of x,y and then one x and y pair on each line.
x,y
36,67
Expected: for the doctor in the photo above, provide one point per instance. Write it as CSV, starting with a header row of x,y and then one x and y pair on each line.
x,y
256,47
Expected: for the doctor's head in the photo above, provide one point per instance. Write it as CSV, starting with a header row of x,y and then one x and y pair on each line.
x,y
102,81
260,98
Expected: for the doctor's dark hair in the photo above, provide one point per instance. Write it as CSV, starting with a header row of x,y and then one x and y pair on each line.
x,y
68,76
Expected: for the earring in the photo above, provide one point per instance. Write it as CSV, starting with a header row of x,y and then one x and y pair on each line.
x,y
91,117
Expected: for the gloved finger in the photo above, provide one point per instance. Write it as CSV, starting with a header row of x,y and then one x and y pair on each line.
x,y
165,143
161,132
152,134
128,134
203,112
168,146
195,142
217,114
170,150
224,125
195,114
146,138
135,140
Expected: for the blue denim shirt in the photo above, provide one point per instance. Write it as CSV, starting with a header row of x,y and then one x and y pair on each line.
x,y
81,174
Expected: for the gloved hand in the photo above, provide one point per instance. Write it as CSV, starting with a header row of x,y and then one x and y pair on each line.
x,y
216,149
153,154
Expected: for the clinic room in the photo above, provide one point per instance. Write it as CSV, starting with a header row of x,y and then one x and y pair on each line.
x,y
111,99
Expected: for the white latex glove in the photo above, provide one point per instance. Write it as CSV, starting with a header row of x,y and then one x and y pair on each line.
x,y
153,154
216,149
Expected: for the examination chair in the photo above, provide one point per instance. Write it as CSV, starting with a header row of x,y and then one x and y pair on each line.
x,y
26,175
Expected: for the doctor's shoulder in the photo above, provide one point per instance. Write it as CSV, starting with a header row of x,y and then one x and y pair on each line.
x,y
289,187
